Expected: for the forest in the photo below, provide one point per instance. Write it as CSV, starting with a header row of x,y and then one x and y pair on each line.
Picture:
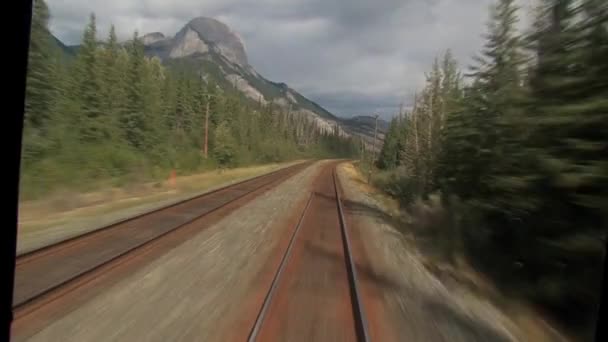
x,y
515,149
111,115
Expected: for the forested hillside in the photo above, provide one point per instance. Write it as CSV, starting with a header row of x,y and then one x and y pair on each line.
x,y
112,114
516,148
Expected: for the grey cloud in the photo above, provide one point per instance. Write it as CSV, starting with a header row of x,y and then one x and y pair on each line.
x,y
350,56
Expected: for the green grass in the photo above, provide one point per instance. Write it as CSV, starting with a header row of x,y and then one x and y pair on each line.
x,y
63,207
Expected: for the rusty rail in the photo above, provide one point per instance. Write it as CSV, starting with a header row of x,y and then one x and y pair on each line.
x,y
359,313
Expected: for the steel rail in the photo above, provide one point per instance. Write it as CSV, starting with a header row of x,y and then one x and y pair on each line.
x,y
361,320
275,281
39,252
20,309
360,317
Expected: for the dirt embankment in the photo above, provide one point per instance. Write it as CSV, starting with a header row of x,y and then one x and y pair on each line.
x,y
425,301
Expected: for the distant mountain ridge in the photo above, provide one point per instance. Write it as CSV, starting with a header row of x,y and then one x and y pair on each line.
x,y
212,47
364,126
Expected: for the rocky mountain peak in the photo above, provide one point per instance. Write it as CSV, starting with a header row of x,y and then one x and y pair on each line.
x,y
212,31
223,53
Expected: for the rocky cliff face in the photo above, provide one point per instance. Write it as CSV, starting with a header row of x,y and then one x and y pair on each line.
x,y
187,43
228,43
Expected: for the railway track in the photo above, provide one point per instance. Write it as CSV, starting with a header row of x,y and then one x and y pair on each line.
x,y
314,295
47,274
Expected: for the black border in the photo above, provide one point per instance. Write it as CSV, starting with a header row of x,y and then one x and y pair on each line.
x,y
15,43
600,327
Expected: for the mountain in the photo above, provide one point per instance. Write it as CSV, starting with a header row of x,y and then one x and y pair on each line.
x,y
367,123
364,127
62,49
210,48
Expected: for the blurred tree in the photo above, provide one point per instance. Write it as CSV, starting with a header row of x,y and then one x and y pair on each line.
x,y
224,149
389,153
134,120
88,79
39,90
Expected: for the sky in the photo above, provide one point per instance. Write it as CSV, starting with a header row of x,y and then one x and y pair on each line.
x,y
353,57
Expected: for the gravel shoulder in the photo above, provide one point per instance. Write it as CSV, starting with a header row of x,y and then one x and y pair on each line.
x,y
420,306
185,294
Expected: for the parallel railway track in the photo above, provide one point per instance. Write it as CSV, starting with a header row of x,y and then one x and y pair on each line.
x,y
47,274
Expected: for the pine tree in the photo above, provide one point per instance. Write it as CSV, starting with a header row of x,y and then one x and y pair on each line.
x,y
432,119
458,168
153,81
224,149
567,119
481,133
113,84
40,90
91,121
451,85
169,101
389,152
253,132
594,129
134,118
558,97
453,116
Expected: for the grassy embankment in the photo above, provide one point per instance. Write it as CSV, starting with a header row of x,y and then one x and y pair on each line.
x,y
71,207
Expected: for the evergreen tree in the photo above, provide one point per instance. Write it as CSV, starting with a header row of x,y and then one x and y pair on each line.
x,y
39,92
566,141
389,152
421,132
169,102
134,119
153,82
482,134
224,149
90,118
596,128
113,87
459,172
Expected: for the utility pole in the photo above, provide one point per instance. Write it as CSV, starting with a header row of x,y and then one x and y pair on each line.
x,y
371,166
362,144
206,129
206,137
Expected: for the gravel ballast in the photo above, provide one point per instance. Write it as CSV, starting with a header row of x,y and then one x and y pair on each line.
x,y
185,294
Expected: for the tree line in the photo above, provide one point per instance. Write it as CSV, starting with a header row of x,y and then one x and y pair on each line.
x,y
111,113
516,148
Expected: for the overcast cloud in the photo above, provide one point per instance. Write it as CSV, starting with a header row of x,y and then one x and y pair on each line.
x,y
353,57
